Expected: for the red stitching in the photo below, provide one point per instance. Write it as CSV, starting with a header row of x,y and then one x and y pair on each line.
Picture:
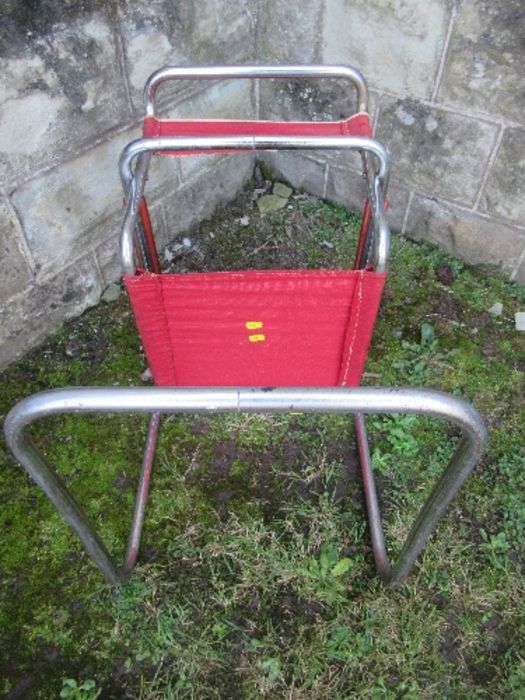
x,y
355,326
168,329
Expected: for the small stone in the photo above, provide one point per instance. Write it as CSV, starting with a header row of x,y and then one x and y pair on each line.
x,y
270,202
327,244
187,242
520,320
168,255
146,376
282,190
496,309
244,221
111,293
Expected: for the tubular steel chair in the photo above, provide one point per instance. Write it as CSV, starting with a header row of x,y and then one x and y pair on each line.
x,y
253,341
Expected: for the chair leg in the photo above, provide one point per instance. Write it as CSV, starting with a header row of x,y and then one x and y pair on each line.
x,y
44,475
155,400
372,505
142,493
431,512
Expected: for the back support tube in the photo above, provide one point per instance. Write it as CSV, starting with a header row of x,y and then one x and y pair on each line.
x,y
279,72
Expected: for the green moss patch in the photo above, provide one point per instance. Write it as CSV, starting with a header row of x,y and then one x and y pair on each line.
x,y
255,577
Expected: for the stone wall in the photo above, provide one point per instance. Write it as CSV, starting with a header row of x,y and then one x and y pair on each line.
x,y
447,97
447,94
72,75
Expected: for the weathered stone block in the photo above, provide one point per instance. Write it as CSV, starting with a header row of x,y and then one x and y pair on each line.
x,y
164,175
346,187
71,208
442,153
281,38
44,306
75,206
162,32
227,100
179,214
484,67
192,166
15,271
217,186
224,32
302,172
107,255
473,238
397,45
59,91
181,208
311,100
349,188
504,193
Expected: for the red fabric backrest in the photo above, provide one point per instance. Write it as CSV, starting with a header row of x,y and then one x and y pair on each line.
x,y
356,125
256,328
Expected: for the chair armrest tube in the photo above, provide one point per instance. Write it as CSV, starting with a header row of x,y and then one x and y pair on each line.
x,y
252,143
367,400
134,181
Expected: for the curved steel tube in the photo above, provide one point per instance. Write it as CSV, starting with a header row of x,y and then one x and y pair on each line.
x,y
381,240
133,226
255,72
261,400
372,505
252,143
134,182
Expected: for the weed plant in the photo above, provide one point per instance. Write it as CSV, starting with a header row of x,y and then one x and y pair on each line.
x,y
255,578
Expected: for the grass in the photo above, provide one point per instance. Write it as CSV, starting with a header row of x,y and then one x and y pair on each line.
x,y
255,577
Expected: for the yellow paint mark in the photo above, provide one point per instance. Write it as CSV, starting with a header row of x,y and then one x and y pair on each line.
x,y
252,325
257,338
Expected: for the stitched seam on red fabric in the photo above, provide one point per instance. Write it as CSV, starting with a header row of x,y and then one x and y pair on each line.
x,y
359,292
168,333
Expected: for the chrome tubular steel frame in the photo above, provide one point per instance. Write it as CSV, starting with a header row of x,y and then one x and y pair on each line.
x,y
156,400
372,252
134,181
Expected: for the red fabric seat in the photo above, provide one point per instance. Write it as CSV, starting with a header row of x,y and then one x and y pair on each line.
x,y
256,328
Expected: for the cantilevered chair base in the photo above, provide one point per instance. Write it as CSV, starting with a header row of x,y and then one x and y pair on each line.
x,y
156,400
